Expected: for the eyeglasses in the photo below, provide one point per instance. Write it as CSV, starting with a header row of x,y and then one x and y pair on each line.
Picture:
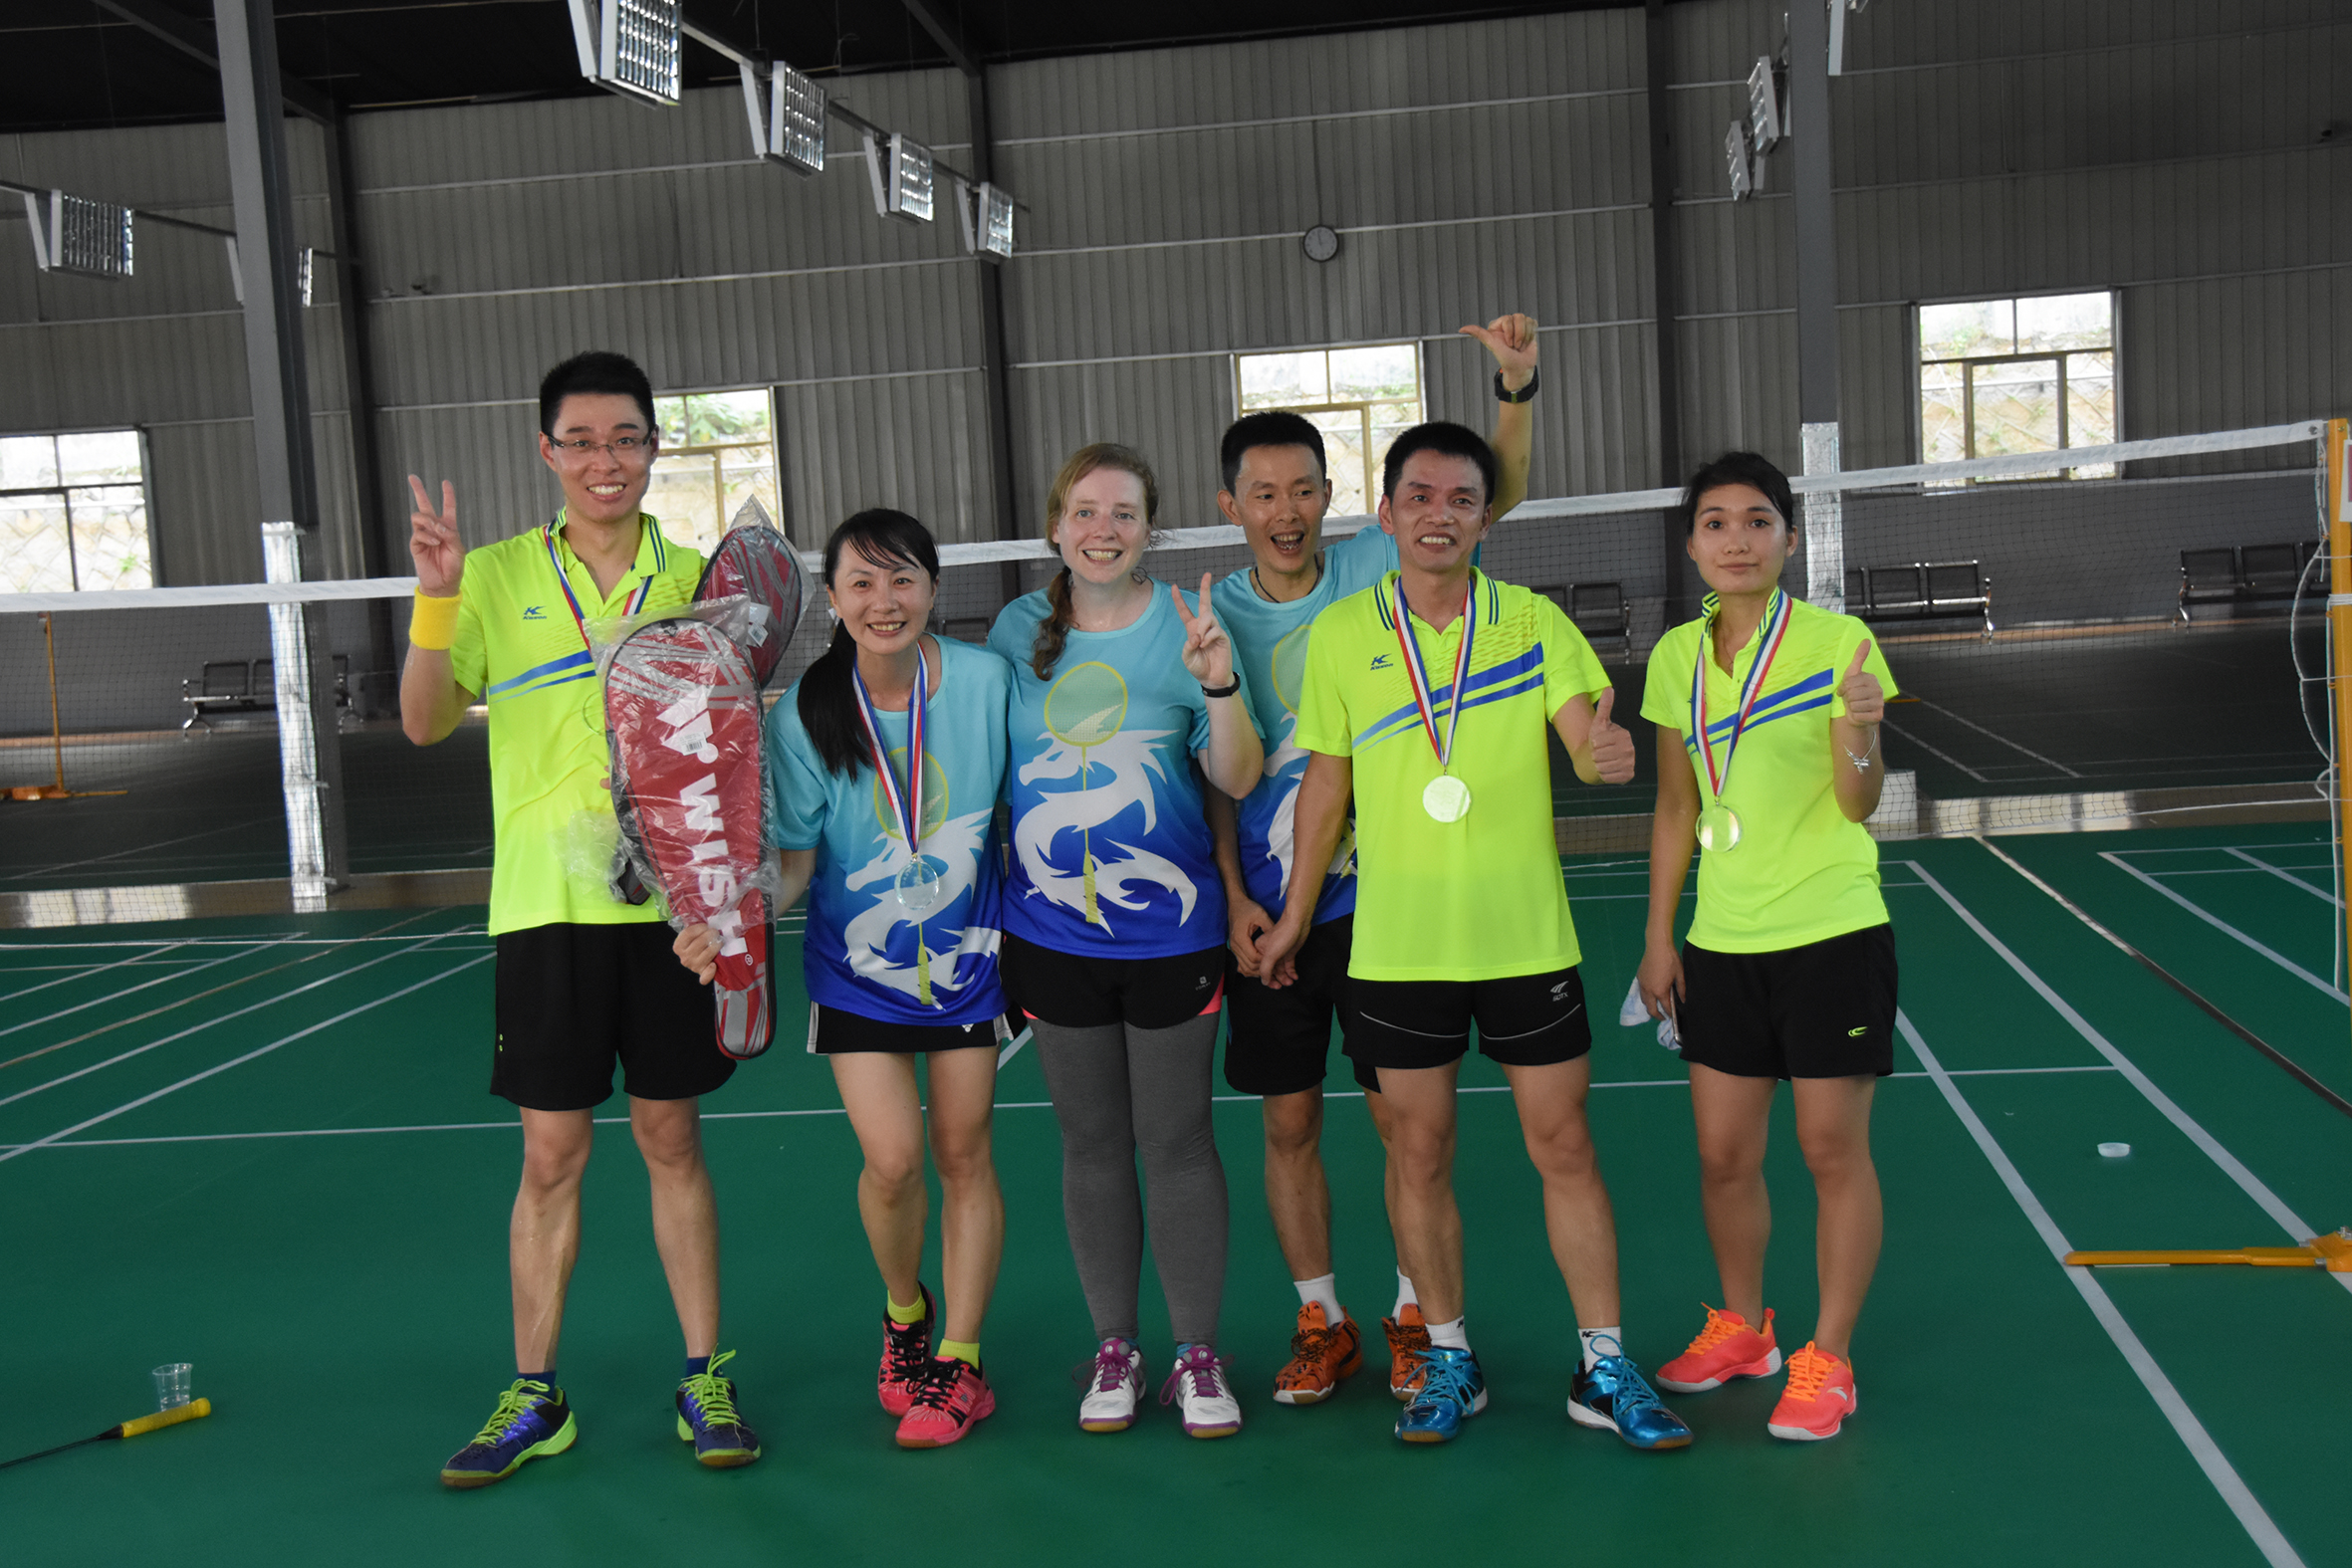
x,y
622,448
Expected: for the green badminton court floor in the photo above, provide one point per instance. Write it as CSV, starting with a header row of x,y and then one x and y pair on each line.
x,y
263,1146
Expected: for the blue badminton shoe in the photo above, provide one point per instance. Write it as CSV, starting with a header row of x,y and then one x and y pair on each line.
x,y
531,1421
1616,1396
708,1419
1453,1390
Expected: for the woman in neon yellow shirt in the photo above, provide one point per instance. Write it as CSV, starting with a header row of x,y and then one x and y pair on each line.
x,y
1768,713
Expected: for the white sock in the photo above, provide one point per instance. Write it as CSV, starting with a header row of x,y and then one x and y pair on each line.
x,y
1450,1336
1324,1290
1591,1341
1404,1295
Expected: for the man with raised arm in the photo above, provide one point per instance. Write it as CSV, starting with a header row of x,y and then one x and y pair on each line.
x,y
583,981
1277,491
1428,697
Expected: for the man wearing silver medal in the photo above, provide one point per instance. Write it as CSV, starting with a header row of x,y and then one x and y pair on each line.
x,y
1431,698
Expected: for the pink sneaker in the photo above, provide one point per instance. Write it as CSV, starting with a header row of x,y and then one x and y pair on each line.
x,y
1726,1348
906,1358
952,1396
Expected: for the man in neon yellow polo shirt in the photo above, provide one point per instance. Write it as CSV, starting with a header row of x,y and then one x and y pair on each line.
x,y
1431,696
584,980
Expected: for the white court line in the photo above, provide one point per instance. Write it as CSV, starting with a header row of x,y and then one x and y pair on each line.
x,y
2217,1470
2048,762
836,1110
238,1061
1013,1046
255,950
293,939
2285,874
2298,1231
2229,930
1931,751
79,971
2234,870
2206,850
199,1029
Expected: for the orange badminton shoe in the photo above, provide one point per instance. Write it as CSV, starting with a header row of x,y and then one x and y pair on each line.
x,y
1322,1353
1818,1399
1726,1348
1408,1337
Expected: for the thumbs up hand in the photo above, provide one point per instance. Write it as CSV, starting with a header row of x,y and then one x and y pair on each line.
x,y
1612,744
1865,699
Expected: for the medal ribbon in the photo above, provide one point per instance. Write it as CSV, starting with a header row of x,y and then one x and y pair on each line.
x,y
636,602
1775,627
905,805
1417,673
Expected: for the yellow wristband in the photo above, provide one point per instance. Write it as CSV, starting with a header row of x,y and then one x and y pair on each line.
x,y
433,623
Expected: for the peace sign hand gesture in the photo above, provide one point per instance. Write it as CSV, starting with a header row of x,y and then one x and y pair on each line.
x,y
1512,341
433,542
1865,699
1612,744
1208,653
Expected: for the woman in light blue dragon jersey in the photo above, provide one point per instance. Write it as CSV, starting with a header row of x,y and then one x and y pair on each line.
x,y
1126,707
885,762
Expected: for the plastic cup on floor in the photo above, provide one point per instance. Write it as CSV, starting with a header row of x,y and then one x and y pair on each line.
x,y
171,1384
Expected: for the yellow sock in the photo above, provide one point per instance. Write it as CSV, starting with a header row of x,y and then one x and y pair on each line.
x,y
903,1315
966,1351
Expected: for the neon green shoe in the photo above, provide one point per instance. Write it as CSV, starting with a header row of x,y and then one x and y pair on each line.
x,y
531,1421
707,1419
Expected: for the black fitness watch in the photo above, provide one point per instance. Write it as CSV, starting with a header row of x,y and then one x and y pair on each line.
x,y
1525,394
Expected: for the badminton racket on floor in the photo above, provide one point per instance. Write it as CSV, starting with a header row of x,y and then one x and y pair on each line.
x,y
130,1429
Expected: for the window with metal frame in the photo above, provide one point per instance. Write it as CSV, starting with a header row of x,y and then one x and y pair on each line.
x,y
2034,374
1361,399
74,513
718,449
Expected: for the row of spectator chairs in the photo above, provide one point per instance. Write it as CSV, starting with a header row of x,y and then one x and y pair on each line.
x,y
2242,573
1921,591
246,686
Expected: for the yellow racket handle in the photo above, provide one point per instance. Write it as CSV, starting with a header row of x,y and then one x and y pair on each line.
x,y
165,1418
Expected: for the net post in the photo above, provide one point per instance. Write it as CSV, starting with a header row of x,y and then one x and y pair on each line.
x,y
2339,611
1824,522
316,843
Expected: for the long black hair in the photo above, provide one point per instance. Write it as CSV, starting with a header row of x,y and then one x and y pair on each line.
x,y
827,704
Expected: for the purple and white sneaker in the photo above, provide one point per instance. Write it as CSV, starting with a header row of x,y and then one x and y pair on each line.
x,y
1209,1406
1115,1389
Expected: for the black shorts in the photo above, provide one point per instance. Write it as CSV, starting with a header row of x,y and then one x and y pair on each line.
x,y
572,1000
1279,1041
834,1032
1081,991
1822,1011
1523,1021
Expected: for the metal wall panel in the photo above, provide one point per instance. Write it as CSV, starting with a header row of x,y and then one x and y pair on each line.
x,y
917,443
2164,147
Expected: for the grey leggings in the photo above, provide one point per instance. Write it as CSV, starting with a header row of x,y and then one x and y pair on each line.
x,y
1117,1088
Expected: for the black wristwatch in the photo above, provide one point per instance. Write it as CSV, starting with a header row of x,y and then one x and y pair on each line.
x,y
1525,394
1227,690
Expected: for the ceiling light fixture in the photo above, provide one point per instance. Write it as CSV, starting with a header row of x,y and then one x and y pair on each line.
x,y
986,212
902,173
77,236
629,46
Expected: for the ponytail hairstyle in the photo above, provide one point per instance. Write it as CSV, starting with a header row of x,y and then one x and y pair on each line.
x,y
828,703
1054,631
